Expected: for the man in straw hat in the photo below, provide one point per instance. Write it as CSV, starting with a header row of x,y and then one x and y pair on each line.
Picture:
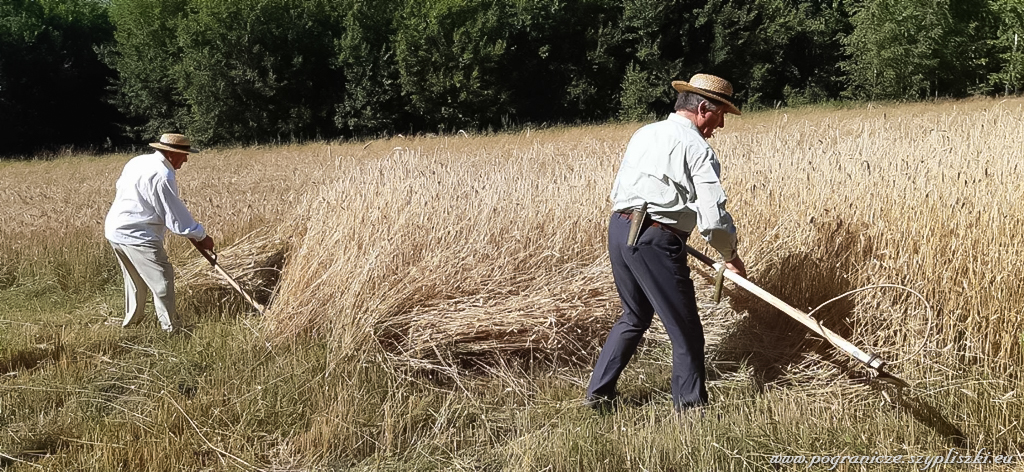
x,y
146,204
670,171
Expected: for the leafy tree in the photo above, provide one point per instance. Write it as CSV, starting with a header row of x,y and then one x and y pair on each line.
x,y
253,70
814,53
228,71
911,49
1008,46
966,59
371,101
148,59
893,48
645,81
449,53
52,83
562,62
772,50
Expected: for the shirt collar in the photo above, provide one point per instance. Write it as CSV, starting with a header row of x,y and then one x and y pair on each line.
x,y
675,118
164,160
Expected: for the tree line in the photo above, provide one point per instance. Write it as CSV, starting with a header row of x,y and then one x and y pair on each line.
x,y
99,73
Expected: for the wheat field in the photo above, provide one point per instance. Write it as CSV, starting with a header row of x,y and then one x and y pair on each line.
x,y
435,302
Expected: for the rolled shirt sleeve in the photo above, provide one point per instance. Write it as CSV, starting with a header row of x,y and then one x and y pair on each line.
x,y
714,222
177,218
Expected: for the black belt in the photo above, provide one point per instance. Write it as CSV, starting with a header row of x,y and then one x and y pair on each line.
x,y
628,214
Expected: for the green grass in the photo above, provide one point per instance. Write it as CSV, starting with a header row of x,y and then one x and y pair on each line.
x,y
78,394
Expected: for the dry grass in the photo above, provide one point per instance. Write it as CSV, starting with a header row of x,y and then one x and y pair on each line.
x,y
444,248
480,252
455,248
448,248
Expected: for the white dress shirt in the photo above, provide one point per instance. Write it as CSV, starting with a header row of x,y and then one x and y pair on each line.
x,y
670,166
147,202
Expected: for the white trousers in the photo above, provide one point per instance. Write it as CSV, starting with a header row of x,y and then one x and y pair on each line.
x,y
146,269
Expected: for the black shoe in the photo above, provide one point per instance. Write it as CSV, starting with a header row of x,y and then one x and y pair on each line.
x,y
603,405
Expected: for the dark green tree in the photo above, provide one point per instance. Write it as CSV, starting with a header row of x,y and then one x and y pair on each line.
x,y
53,86
449,53
893,48
911,49
257,70
645,25
562,62
148,60
372,99
966,58
1008,47
229,71
773,50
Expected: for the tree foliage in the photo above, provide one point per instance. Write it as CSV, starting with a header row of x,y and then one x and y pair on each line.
x,y
371,100
1008,46
239,71
53,86
449,55
911,49
82,72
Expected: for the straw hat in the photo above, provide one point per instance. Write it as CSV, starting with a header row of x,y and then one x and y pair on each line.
x,y
715,88
174,142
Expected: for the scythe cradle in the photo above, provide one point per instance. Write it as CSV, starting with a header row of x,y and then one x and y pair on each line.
x,y
872,361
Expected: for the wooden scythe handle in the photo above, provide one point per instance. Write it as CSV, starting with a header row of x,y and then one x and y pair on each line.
x,y
870,360
212,258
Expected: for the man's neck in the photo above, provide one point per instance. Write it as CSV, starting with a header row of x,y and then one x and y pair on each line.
x,y
688,115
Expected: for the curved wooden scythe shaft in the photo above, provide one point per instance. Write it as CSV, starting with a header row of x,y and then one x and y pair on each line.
x,y
872,361
212,258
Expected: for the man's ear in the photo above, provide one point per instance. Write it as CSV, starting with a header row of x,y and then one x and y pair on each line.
x,y
702,108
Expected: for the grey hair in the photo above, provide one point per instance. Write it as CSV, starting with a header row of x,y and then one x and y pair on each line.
x,y
690,101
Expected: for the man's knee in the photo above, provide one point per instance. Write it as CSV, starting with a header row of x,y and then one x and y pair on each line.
x,y
635,323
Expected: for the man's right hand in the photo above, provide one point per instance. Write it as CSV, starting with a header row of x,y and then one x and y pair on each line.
x,y
736,265
205,244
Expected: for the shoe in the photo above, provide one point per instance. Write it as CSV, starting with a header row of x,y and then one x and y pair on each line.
x,y
603,405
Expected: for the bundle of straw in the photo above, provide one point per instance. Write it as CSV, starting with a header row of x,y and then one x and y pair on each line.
x,y
558,314
254,261
445,255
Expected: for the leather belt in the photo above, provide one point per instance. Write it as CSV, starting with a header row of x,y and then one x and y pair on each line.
x,y
628,214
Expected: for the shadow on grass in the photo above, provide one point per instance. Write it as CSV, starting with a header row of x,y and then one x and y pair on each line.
x,y
768,340
35,448
31,357
219,301
923,412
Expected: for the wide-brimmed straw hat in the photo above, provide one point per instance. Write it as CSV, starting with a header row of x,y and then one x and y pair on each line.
x,y
174,142
710,86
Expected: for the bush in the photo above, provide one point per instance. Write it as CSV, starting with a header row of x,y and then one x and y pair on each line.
x,y
242,71
53,86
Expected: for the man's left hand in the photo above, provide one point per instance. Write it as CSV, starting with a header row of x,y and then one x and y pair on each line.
x,y
205,244
736,265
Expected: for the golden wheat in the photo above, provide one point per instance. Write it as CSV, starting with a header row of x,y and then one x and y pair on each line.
x,y
449,248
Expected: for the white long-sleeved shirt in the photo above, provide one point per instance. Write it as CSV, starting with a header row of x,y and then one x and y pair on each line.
x,y
670,166
147,201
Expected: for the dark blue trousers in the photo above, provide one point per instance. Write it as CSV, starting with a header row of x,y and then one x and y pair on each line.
x,y
652,277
